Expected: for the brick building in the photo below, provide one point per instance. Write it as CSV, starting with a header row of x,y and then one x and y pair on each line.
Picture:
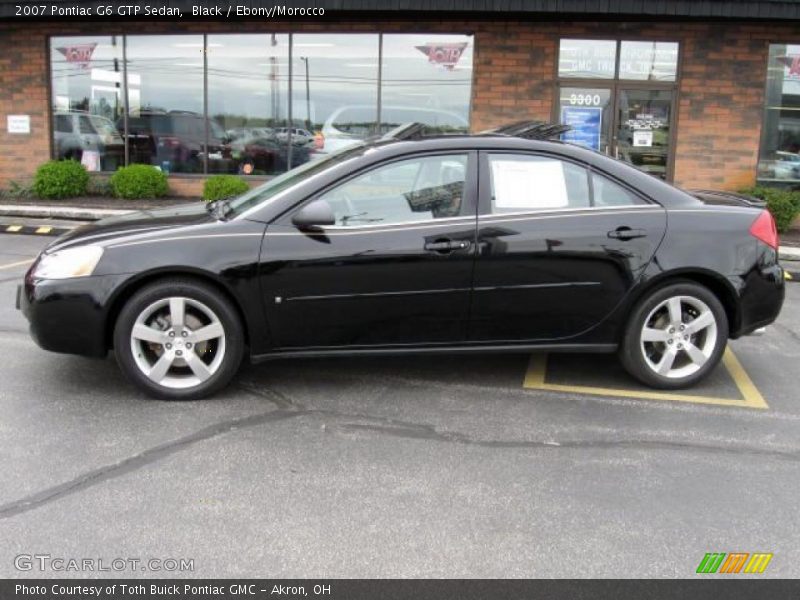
x,y
705,94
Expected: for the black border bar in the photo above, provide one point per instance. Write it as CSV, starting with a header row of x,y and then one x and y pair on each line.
x,y
691,9
733,588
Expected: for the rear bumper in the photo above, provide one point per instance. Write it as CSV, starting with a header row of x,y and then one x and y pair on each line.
x,y
761,299
69,315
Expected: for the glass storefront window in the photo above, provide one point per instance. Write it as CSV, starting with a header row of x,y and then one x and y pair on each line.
x,y
166,126
779,159
648,61
87,100
426,79
222,103
334,92
248,101
587,59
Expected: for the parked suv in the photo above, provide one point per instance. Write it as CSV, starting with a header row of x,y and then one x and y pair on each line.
x,y
76,132
174,141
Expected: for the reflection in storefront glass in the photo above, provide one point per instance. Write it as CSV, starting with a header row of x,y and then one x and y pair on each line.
x,y
87,100
334,92
589,59
426,79
648,61
248,99
780,136
222,103
644,125
166,126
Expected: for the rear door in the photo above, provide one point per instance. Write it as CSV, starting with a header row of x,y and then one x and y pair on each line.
x,y
559,247
395,269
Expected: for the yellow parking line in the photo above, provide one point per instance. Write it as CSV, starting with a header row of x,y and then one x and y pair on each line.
x,y
535,378
787,276
44,229
13,228
16,264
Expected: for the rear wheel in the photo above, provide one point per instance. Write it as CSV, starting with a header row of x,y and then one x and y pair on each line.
x,y
179,340
675,336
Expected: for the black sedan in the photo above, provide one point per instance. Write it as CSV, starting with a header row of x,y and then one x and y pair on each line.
x,y
440,244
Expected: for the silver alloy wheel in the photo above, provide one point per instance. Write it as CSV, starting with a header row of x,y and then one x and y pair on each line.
x,y
178,342
678,336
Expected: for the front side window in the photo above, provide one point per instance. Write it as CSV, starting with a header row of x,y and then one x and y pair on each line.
x,y
779,160
417,189
532,183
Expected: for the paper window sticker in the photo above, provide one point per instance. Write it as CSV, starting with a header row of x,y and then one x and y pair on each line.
x,y
529,184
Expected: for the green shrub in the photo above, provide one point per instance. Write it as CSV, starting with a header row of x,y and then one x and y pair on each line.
x,y
60,179
784,204
220,187
139,181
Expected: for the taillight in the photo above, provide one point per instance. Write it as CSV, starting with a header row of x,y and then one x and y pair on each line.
x,y
763,229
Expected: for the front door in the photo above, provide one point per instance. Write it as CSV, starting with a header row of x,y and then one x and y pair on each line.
x,y
630,122
395,269
559,247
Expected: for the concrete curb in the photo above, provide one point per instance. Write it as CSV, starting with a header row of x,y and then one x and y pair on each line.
x,y
76,213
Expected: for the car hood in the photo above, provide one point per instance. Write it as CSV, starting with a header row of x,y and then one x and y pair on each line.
x,y
134,223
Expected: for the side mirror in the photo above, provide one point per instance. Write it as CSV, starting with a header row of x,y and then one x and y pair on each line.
x,y
314,214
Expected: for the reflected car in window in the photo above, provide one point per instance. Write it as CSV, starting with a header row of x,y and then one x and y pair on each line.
x,y
349,125
175,141
77,132
443,244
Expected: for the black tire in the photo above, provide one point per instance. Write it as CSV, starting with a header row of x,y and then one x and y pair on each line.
x,y
192,290
632,354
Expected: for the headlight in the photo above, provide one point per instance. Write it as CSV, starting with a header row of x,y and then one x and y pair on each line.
x,y
72,262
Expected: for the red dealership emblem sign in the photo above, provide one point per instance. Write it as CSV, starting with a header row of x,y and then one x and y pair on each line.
x,y
446,54
793,63
81,54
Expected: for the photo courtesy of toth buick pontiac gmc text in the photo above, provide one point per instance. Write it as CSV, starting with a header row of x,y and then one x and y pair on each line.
x,y
498,241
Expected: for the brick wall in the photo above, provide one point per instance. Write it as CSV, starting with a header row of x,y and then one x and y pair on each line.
x,y
720,100
23,90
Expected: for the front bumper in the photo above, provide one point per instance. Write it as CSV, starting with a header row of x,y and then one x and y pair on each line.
x,y
69,315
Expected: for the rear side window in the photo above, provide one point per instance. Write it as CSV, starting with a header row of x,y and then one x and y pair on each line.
x,y
607,193
522,183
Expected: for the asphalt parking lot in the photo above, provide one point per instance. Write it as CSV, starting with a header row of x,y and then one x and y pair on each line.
x,y
479,466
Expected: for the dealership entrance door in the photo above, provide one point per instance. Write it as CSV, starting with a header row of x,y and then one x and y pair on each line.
x,y
626,121
618,97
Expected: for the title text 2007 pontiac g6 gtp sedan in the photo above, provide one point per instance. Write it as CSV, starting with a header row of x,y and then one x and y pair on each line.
x,y
439,244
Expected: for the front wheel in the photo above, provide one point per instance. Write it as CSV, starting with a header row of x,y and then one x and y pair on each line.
x,y
675,336
179,340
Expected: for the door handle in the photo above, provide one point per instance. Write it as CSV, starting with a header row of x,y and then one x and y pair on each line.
x,y
444,246
625,233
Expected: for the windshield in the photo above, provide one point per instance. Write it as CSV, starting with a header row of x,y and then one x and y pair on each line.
x,y
286,180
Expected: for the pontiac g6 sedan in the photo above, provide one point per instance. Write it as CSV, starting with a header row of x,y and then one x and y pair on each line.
x,y
478,243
